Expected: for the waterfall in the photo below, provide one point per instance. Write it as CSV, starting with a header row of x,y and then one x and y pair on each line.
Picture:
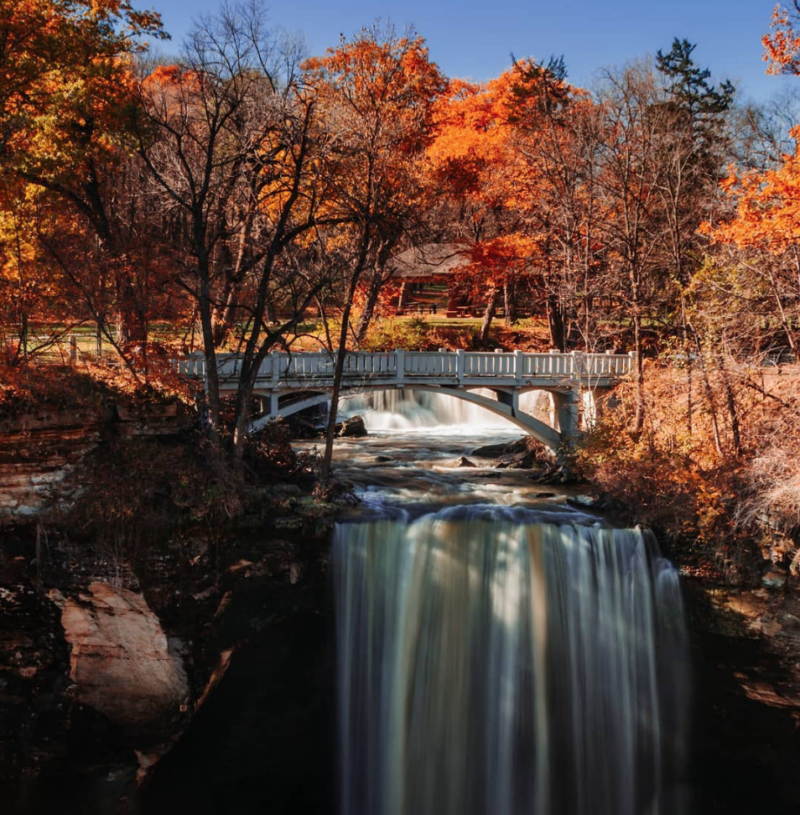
x,y
408,409
491,662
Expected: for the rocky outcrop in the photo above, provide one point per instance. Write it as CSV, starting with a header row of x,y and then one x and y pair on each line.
x,y
524,454
40,451
120,659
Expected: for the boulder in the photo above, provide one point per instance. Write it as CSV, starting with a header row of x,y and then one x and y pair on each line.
x,y
490,450
120,660
354,426
465,462
517,455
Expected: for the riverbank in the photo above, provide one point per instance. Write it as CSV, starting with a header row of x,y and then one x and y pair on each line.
x,y
107,660
133,567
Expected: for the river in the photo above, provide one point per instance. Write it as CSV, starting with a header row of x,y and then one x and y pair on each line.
x,y
499,649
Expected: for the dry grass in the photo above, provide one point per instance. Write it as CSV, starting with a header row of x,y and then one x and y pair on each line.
x,y
689,482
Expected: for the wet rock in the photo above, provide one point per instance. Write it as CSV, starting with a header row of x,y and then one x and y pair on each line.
x,y
354,426
120,659
522,454
465,462
383,459
490,450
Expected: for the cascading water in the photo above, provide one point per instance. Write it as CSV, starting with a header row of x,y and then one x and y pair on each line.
x,y
501,661
408,409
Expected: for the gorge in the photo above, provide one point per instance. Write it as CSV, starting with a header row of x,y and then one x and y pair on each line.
x,y
473,641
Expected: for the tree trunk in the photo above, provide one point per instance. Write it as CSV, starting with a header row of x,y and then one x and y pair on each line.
x,y
491,305
341,353
730,404
509,304
375,286
709,396
338,374
222,320
209,348
638,418
555,322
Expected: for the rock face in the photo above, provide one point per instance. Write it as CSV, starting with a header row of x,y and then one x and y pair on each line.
x,y
40,451
120,660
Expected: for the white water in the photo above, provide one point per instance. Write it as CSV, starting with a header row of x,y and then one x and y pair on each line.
x,y
412,410
500,661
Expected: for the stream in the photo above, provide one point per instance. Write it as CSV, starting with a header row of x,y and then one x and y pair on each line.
x,y
499,650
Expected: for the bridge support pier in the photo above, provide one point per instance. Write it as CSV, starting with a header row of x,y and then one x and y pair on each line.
x,y
566,406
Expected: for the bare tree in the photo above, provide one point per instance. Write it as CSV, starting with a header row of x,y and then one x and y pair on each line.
x,y
629,180
228,137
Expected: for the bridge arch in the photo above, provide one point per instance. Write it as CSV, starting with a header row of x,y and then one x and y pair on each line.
x,y
505,406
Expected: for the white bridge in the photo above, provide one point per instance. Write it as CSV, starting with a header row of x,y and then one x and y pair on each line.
x,y
289,383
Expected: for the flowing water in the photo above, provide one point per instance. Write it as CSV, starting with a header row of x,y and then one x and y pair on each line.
x,y
499,652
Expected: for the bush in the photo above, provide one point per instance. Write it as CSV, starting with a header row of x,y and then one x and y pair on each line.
x,y
396,332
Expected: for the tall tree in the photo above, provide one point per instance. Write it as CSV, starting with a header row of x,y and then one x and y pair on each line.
x,y
65,88
227,136
694,150
632,226
375,95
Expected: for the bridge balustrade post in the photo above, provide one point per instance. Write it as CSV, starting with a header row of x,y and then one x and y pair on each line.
x,y
400,366
275,358
460,365
578,366
518,361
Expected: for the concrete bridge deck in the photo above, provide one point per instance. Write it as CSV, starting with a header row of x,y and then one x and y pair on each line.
x,y
293,382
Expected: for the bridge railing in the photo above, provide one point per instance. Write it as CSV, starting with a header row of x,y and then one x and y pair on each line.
x,y
399,366
547,365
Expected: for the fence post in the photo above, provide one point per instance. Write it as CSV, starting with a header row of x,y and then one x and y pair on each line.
x,y
73,349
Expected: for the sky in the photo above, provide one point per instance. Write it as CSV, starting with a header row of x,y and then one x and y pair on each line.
x,y
476,38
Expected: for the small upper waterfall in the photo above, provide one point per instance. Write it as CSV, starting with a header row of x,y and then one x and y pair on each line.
x,y
496,661
409,409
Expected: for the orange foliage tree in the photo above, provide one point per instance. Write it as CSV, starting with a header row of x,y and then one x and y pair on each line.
x,y
65,84
375,97
782,44
509,151
765,227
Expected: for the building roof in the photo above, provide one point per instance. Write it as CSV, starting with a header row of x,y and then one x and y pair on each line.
x,y
429,261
